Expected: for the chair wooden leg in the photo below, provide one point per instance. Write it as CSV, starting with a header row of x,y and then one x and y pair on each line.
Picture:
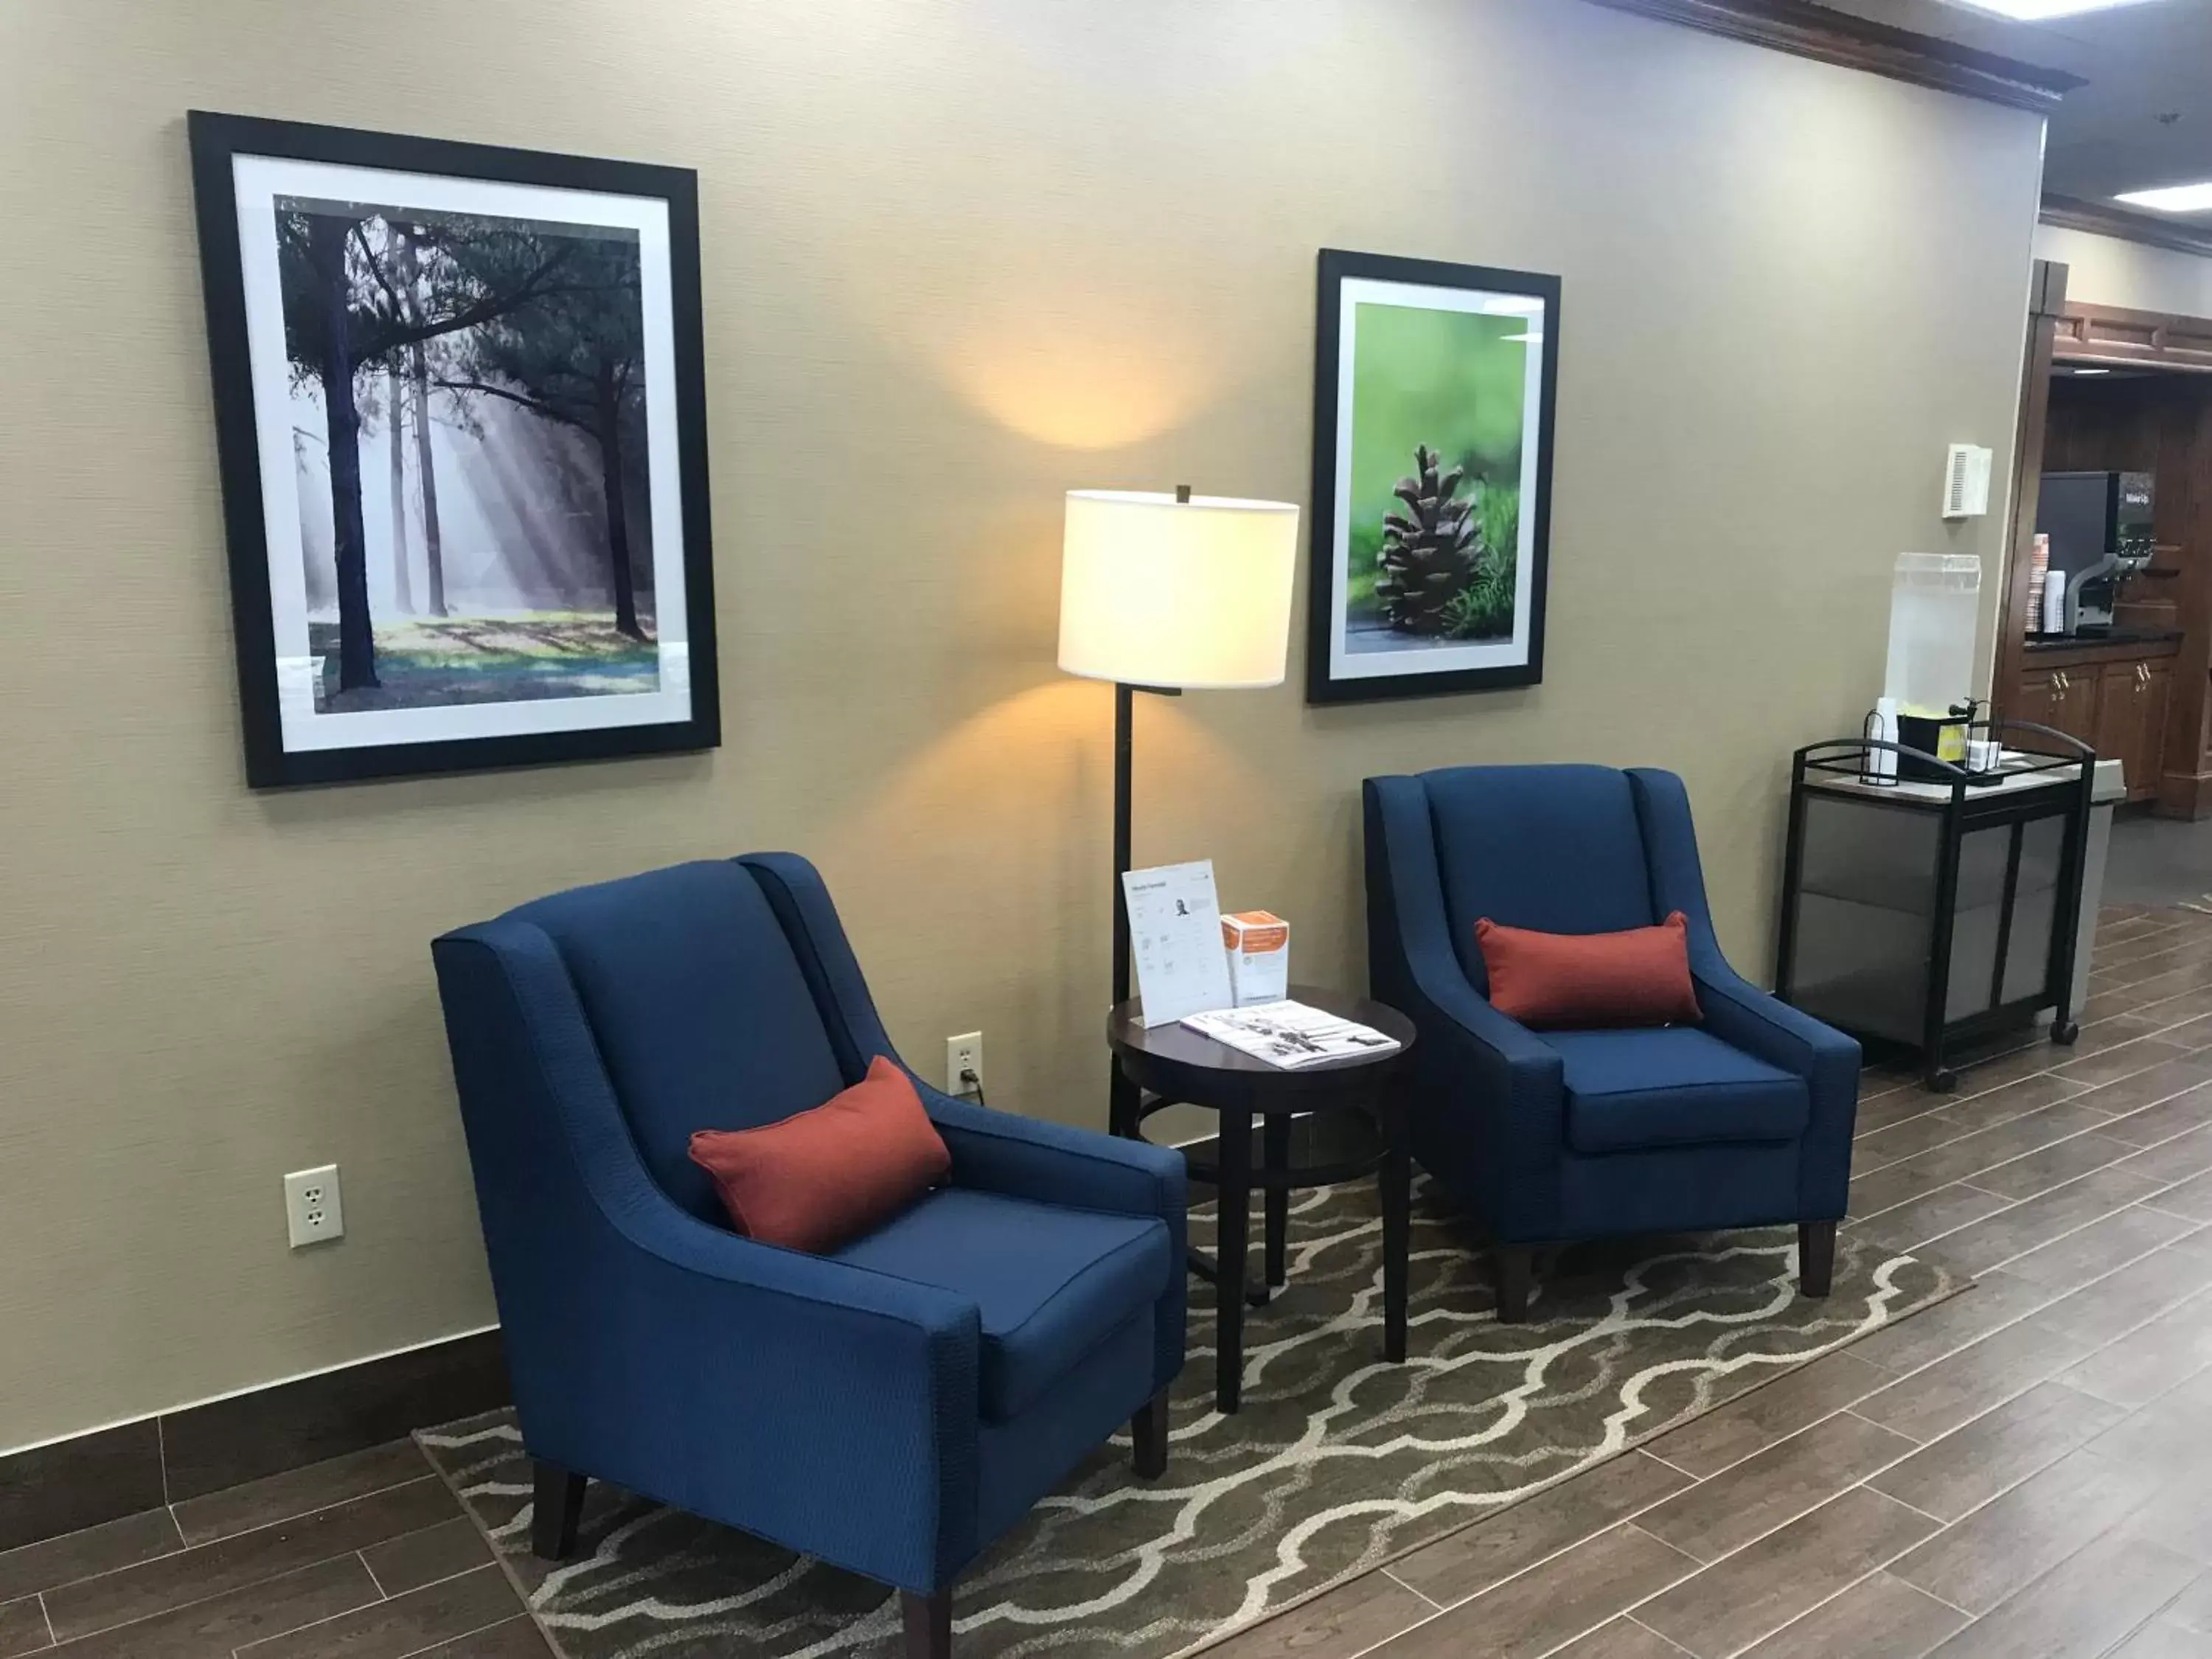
x,y
1148,1429
555,1508
1816,1256
1234,1211
928,1620
1395,1179
1513,1263
1275,1158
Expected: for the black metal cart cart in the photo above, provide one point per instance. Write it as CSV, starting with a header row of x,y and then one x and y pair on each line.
x,y
1927,915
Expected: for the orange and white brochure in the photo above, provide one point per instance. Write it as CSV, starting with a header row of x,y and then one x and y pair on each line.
x,y
1259,946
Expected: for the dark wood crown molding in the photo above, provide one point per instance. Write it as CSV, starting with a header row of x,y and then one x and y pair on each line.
x,y
1833,37
2149,339
2073,213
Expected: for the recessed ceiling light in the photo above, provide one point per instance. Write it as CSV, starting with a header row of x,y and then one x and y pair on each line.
x,y
2034,11
2089,370
2173,198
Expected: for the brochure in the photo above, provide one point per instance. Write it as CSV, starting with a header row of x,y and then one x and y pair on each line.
x,y
1289,1034
1175,932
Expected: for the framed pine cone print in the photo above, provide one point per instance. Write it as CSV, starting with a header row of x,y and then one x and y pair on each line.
x,y
1433,392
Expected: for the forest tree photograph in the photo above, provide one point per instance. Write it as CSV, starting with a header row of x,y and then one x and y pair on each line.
x,y
506,356
1432,476
489,505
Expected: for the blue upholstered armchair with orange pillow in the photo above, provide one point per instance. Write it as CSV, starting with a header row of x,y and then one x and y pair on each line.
x,y
1742,1119
891,1406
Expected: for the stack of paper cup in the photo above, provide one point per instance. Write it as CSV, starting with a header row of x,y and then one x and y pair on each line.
x,y
1885,760
2039,567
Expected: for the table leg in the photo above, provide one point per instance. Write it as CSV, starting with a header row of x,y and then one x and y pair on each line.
x,y
1275,1158
1395,1179
1121,1098
1235,1210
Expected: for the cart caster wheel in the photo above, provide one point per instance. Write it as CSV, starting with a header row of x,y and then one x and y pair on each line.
x,y
2065,1035
1943,1082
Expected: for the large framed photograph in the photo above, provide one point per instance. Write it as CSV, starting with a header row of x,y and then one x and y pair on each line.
x,y
1433,391
460,413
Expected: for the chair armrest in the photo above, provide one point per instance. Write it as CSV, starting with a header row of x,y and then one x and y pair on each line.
x,y
790,1382
1054,1163
1760,1023
1080,1170
1491,1100
1487,1099
1506,1051
1740,1014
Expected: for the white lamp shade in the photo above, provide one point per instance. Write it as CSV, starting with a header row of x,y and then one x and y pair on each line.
x,y
1157,592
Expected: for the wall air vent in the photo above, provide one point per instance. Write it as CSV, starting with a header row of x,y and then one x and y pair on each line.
x,y
1966,482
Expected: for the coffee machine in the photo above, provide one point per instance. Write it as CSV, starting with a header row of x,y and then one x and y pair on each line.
x,y
2100,526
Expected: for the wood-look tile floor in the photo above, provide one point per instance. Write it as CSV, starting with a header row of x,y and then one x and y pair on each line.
x,y
364,1557
2025,1471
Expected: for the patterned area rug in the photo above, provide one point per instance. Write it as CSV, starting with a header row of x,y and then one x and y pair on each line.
x,y
1337,1462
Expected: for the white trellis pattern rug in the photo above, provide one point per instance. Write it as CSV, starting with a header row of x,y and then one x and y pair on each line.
x,y
1337,1462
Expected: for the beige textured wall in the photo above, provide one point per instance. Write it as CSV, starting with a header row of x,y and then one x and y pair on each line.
x,y
960,256
2105,270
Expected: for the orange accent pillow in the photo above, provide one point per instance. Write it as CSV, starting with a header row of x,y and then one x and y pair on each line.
x,y
823,1177
1637,977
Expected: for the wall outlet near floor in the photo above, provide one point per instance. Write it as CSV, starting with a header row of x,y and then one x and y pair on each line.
x,y
313,1210
963,1064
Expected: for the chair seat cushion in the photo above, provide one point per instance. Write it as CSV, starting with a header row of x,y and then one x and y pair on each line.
x,y
1632,1090
1051,1283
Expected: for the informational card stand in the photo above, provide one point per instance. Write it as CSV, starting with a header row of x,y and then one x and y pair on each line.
x,y
1175,935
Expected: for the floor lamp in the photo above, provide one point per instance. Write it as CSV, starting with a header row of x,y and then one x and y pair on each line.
x,y
1166,595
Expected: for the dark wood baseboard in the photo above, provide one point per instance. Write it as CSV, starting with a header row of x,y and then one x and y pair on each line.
x,y
73,1484
2184,795
111,1473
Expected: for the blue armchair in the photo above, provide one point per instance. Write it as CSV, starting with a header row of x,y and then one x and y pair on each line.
x,y
1550,1136
892,1407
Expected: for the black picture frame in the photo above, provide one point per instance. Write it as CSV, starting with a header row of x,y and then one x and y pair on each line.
x,y
1330,619
217,141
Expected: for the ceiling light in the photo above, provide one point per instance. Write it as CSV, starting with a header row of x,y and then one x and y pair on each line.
x,y
2089,370
2173,198
2035,11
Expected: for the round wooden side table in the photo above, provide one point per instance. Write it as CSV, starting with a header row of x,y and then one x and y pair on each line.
x,y
1172,1065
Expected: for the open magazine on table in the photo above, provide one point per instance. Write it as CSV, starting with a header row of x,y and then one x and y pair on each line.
x,y
1289,1034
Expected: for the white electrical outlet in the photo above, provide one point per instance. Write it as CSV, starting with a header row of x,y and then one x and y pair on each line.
x,y
312,1209
963,1064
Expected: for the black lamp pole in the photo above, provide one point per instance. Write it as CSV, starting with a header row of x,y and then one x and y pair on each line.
x,y
1125,713
1121,1098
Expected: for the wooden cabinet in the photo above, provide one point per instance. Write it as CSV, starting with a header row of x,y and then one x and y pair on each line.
x,y
2158,706
2037,699
2118,732
2112,698
2132,699
2064,699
